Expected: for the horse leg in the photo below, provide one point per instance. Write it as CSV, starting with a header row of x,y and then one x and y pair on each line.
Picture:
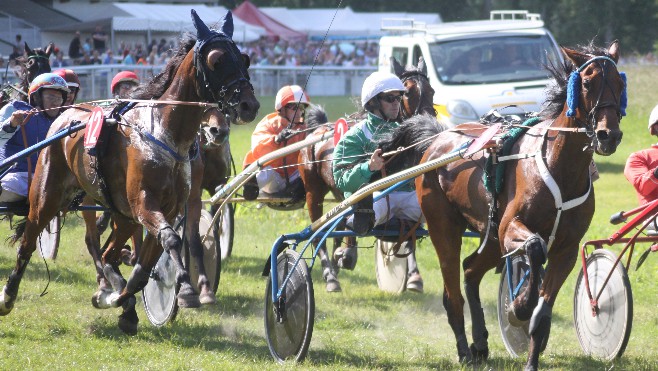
x,y
475,266
122,229
314,201
147,210
446,234
92,240
194,205
517,237
540,322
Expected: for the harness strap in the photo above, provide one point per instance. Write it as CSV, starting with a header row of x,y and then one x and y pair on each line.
x,y
557,195
518,156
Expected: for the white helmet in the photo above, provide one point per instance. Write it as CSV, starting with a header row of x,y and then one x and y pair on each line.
x,y
290,94
653,117
379,82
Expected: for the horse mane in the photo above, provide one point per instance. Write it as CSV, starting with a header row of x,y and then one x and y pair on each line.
x,y
315,116
155,88
418,130
556,93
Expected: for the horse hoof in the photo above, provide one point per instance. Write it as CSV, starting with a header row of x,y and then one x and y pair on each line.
x,y
207,298
128,323
127,256
513,319
187,297
103,299
346,257
479,355
6,303
333,285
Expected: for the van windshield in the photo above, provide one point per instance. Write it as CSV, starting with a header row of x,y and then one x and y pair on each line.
x,y
489,60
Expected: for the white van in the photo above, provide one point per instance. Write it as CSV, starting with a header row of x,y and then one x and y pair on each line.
x,y
476,66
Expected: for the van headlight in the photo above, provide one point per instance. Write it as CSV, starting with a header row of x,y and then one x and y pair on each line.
x,y
461,110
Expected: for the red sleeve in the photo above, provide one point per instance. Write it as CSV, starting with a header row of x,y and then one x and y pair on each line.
x,y
638,172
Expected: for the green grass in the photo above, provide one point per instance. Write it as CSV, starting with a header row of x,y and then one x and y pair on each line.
x,y
360,328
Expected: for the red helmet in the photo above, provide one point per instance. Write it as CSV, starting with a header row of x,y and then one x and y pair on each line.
x,y
71,78
124,76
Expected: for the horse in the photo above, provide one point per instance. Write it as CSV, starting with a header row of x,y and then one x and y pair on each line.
x,y
32,63
550,163
148,179
316,172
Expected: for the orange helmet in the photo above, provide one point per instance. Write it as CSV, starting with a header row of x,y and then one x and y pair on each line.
x,y
123,76
290,94
69,76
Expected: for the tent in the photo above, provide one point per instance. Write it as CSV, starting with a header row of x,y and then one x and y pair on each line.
x,y
250,14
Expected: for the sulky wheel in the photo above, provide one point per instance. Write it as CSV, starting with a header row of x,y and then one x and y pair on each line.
x,y
159,294
515,335
212,260
391,270
48,242
224,230
603,334
290,335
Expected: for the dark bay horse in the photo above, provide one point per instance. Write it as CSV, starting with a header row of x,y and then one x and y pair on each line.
x,y
316,163
32,63
545,203
148,178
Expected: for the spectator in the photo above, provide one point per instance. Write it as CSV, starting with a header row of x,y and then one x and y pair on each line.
x,y
59,61
86,47
15,54
19,43
130,57
109,57
99,37
75,47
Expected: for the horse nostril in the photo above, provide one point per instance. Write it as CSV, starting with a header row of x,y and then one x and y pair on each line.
x,y
214,131
602,135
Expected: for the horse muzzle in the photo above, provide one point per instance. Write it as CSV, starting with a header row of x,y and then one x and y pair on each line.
x,y
607,141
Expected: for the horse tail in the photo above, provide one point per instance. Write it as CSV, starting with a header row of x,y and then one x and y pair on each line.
x,y
19,230
315,116
418,131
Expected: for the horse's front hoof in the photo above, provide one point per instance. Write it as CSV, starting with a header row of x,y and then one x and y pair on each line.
x,y
513,319
128,322
207,297
187,297
346,257
6,302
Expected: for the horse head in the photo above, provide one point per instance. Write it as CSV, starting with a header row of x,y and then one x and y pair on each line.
x,y
215,128
222,71
596,96
36,61
419,95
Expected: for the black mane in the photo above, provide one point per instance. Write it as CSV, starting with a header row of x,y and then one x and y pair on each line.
x,y
556,93
155,88
315,116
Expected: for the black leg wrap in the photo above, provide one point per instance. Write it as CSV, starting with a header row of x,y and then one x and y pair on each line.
x,y
16,276
168,238
138,279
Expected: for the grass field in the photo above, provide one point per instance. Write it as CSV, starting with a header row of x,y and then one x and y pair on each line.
x,y
359,328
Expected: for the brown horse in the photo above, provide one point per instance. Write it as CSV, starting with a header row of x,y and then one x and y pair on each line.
x,y
32,63
147,180
316,164
529,216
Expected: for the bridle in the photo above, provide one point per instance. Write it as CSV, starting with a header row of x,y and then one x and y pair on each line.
x,y
420,79
212,82
573,93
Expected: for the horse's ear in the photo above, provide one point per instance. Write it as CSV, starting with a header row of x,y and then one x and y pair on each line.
x,y
421,65
574,56
28,51
202,31
49,49
227,24
399,70
613,51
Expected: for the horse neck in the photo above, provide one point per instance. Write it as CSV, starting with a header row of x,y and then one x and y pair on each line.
x,y
180,121
568,154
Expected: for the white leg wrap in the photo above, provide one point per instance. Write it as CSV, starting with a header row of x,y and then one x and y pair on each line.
x,y
541,310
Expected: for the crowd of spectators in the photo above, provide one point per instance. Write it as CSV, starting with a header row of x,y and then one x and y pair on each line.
x,y
96,49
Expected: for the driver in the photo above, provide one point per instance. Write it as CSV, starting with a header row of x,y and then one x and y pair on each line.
x,y
357,159
642,166
283,127
46,95
123,83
